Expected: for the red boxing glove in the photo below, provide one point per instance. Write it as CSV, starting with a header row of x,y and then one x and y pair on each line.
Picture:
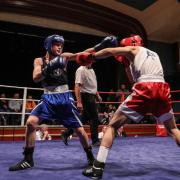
x,y
123,60
85,58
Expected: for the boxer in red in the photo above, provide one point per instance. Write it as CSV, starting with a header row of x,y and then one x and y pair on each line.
x,y
150,94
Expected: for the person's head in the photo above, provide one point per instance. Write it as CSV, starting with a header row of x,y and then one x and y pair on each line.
x,y
43,127
16,96
3,95
29,97
54,44
134,40
123,86
110,106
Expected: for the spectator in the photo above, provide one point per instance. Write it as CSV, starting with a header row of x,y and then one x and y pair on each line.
x,y
15,105
4,108
104,118
30,104
120,132
122,94
101,134
43,134
109,111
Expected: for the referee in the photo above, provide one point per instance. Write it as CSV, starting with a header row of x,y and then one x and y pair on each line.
x,y
86,94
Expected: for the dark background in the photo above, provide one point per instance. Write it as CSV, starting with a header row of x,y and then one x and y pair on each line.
x,y
21,44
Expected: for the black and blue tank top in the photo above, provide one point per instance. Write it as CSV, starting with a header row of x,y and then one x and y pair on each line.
x,y
57,77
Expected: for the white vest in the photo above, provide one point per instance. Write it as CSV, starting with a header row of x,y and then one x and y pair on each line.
x,y
146,66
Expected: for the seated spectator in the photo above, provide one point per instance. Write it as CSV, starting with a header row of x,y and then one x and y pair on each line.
x,y
3,108
30,104
15,105
122,94
120,132
42,133
110,110
101,134
104,118
3,102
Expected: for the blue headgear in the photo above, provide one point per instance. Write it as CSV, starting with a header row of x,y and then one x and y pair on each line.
x,y
52,39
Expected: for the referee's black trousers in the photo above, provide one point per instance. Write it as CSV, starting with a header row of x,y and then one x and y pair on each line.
x,y
90,114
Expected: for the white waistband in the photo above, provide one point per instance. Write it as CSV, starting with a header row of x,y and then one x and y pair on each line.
x,y
56,89
151,79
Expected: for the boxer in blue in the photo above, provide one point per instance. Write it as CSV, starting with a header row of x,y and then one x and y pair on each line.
x,y
57,101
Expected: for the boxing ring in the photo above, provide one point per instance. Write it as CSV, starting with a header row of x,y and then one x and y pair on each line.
x,y
142,157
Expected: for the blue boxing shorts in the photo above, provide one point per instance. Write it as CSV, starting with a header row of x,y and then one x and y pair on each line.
x,y
60,107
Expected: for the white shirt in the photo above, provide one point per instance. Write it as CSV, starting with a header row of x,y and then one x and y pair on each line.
x,y
38,135
87,78
15,104
100,135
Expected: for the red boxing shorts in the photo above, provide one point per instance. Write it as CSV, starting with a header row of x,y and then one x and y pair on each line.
x,y
148,97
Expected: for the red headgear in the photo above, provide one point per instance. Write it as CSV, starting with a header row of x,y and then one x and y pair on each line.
x,y
135,40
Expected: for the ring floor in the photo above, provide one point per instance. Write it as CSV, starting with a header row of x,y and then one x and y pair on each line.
x,y
131,158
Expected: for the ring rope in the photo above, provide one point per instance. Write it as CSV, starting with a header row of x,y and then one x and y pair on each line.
x,y
24,100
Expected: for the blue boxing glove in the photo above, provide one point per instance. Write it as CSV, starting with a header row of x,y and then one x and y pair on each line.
x,y
57,62
109,41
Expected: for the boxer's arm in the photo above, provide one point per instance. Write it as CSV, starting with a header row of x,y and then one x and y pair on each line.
x,y
69,56
107,52
37,71
85,58
109,41
90,50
